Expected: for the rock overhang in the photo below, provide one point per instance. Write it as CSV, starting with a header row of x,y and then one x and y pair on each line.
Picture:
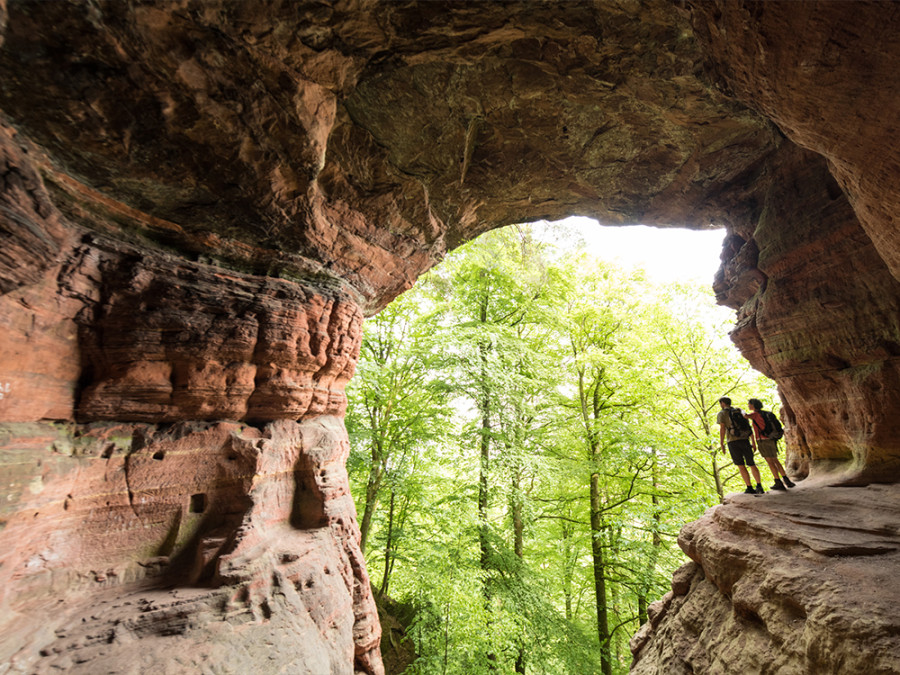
x,y
320,137
347,146
283,168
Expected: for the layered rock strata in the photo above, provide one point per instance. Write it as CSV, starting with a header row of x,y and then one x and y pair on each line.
x,y
802,280
357,140
803,582
800,583
200,200
171,424
215,546
826,74
833,91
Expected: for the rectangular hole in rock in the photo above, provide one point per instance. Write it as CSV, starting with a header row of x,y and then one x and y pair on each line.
x,y
198,503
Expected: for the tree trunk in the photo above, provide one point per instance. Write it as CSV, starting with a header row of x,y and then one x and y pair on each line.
x,y
600,575
484,406
388,549
517,517
485,459
518,544
373,485
568,568
720,489
657,543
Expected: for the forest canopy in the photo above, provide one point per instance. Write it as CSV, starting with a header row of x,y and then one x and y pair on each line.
x,y
530,428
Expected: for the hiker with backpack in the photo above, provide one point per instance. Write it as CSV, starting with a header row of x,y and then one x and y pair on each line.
x,y
768,430
735,427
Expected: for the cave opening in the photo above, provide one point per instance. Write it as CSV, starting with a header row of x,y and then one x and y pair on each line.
x,y
198,207
564,391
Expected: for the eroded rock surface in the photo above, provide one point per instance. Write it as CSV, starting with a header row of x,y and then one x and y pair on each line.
x,y
802,582
199,200
201,546
805,308
826,74
825,325
360,139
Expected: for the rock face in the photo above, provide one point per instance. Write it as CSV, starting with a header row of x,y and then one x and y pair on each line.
x,y
821,329
199,201
746,602
803,307
250,532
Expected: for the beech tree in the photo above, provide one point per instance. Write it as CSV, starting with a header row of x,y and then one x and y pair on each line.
x,y
492,294
523,495
603,335
700,366
397,402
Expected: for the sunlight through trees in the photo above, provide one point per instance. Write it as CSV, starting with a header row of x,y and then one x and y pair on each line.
x,y
530,428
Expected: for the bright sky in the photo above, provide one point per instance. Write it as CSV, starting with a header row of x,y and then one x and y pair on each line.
x,y
667,255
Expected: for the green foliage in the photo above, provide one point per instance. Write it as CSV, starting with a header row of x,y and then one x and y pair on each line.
x,y
398,404
529,430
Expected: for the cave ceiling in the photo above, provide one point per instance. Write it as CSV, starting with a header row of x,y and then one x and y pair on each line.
x,y
361,140
201,200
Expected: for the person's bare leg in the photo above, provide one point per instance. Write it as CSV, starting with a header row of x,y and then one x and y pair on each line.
x,y
744,474
785,478
780,468
774,464
755,473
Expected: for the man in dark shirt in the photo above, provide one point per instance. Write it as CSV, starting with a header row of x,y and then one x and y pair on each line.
x,y
739,445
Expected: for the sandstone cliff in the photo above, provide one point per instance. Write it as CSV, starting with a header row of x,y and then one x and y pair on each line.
x,y
200,200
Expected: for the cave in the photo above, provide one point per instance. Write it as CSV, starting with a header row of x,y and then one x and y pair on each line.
x,y
200,201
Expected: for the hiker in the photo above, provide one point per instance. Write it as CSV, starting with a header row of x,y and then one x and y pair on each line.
x,y
736,428
768,430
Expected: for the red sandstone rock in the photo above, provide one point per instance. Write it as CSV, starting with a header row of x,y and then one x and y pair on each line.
x,y
38,350
275,135
814,311
154,338
198,202
801,582
255,528
826,74
174,341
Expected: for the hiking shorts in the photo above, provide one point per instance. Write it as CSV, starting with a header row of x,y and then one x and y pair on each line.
x,y
768,447
741,452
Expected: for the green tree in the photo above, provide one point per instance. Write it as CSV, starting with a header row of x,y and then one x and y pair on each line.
x,y
397,402
601,317
528,529
492,294
700,366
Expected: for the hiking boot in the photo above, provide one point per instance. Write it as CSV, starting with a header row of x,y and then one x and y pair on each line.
x,y
788,482
749,491
759,489
778,486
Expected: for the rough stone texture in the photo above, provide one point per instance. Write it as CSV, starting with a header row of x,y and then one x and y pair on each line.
x,y
199,199
803,284
835,92
786,583
807,578
156,338
37,380
249,530
826,74
359,139
166,341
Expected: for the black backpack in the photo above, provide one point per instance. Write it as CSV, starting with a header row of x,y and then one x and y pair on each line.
x,y
740,427
773,427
